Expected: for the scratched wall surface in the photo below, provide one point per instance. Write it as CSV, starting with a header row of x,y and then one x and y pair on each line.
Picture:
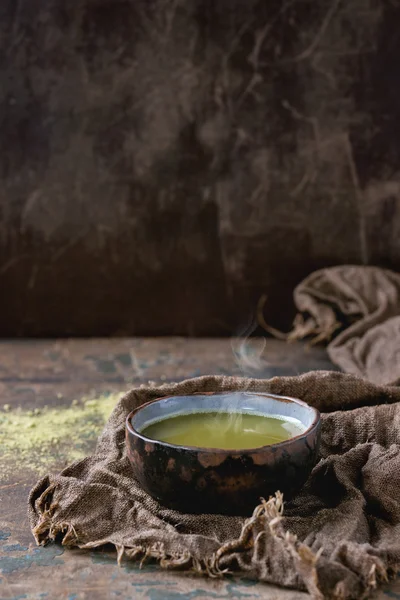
x,y
164,163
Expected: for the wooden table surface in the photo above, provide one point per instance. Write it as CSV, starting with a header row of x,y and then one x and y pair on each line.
x,y
73,385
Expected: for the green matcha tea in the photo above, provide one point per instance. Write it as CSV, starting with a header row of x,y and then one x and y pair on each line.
x,y
228,431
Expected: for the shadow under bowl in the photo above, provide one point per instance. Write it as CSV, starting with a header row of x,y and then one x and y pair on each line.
x,y
201,480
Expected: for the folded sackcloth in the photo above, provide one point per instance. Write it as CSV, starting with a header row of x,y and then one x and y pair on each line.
x,y
358,308
338,538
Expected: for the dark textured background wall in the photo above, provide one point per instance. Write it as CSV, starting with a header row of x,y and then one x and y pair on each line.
x,y
163,163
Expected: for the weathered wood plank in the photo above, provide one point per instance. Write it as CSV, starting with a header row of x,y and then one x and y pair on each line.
x,y
49,376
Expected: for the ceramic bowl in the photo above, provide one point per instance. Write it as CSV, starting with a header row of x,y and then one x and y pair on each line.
x,y
200,480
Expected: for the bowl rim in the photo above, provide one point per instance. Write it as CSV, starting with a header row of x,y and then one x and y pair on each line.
x,y
237,451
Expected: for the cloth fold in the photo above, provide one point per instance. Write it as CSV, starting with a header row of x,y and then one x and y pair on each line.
x,y
338,538
357,311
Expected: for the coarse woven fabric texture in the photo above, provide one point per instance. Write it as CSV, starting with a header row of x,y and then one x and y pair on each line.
x,y
357,311
338,538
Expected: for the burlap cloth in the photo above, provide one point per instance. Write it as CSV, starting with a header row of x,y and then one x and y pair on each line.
x,y
339,538
359,307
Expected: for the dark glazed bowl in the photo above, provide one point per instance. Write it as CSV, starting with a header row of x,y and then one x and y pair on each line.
x,y
200,480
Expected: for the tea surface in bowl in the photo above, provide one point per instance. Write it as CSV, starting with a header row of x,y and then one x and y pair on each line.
x,y
225,430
